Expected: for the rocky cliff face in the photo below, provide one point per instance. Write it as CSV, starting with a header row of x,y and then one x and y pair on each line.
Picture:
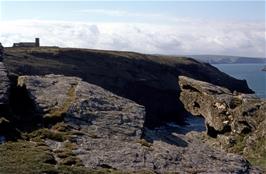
x,y
146,79
4,86
4,97
88,128
237,119
107,113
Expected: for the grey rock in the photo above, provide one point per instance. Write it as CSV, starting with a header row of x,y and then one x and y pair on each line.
x,y
4,100
223,110
4,85
85,106
237,120
167,151
111,128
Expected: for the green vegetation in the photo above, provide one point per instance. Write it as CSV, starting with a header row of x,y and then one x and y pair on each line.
x,y
47,133
257,153
239,145
24,157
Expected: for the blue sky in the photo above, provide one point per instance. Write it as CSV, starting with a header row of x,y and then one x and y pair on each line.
x,y
48,10
173,27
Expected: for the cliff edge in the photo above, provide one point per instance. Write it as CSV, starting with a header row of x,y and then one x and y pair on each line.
x,y
149,80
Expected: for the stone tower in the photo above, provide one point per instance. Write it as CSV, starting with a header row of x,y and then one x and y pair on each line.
x,y
37,42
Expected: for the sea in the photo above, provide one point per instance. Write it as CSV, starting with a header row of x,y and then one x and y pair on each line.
x,y
256,78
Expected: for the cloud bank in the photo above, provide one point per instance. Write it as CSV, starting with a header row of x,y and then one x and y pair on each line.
x,y
180,37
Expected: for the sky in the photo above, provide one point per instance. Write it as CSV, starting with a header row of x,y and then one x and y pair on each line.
x,y
155,27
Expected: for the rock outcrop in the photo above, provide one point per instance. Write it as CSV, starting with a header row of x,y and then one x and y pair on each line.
x,y
84,106
4,99
149,80
109,131
223,110
72,124
4,86
237,119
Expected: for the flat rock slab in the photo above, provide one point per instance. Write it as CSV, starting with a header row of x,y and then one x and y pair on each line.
x,y
168,151
4,85
85,106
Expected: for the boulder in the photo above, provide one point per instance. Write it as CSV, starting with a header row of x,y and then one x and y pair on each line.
x,y
84,106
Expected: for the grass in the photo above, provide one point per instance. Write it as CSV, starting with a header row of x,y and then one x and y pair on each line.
x,y
239,145
24,157
47,133
257,154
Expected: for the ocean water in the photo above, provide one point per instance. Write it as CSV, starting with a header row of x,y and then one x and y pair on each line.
x,y
256,78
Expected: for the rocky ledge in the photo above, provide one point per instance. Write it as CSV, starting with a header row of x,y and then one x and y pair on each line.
x,y
237,120
82,128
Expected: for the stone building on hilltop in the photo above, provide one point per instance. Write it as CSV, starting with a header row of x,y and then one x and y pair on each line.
x,y
28,44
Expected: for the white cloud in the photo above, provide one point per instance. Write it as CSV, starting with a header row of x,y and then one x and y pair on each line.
x,y
181,37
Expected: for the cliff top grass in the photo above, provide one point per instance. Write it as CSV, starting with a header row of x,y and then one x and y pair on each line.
x,y
24,157
56,52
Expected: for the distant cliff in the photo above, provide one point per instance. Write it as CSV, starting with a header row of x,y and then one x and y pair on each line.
x,y
221,59
146,79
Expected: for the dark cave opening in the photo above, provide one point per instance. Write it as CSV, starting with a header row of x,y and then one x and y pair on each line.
x,y
23,114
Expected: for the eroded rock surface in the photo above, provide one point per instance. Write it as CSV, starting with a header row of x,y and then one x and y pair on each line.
x,y
237,120
168,151
111,133
223,110
84,106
